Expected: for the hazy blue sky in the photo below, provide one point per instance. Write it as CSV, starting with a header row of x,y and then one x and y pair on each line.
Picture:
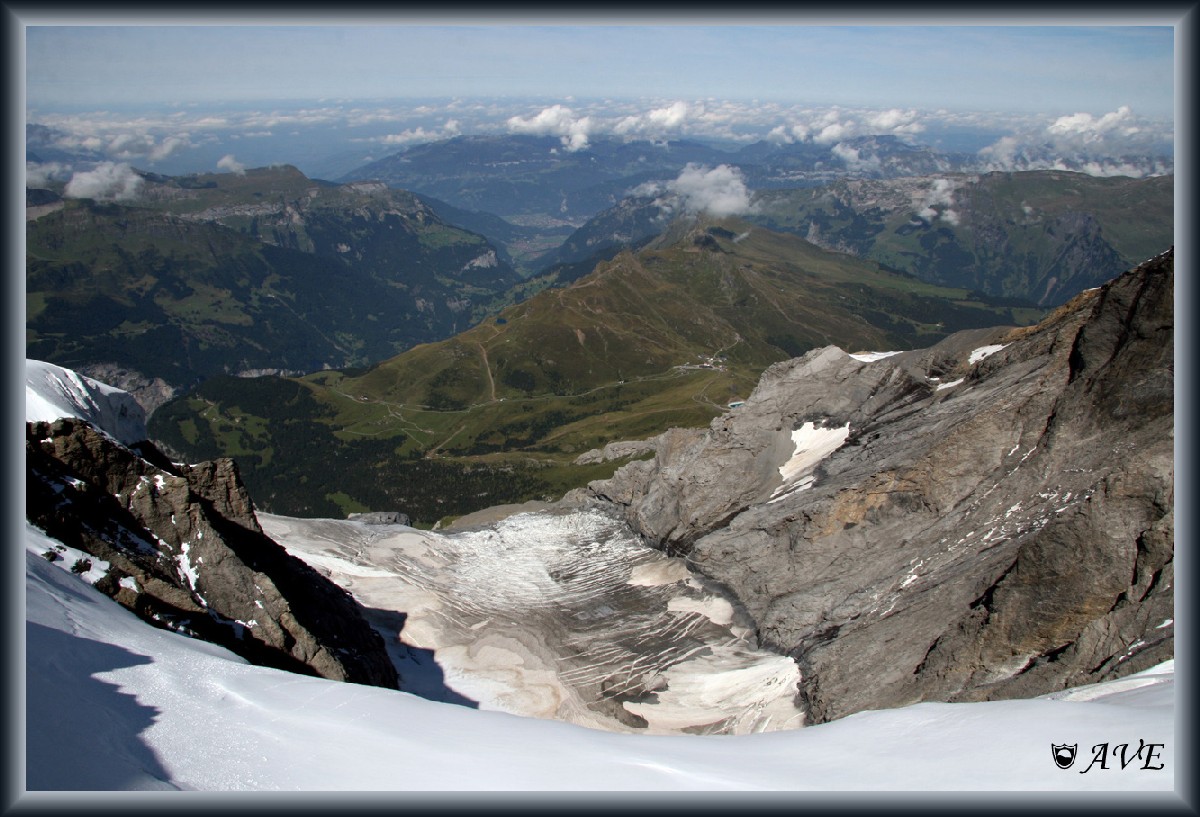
x,y
1047,69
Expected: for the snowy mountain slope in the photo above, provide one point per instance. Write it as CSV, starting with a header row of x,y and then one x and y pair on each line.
x,y
52,392
113,703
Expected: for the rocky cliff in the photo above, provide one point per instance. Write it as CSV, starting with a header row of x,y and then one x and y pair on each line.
x,y
180,546
988,518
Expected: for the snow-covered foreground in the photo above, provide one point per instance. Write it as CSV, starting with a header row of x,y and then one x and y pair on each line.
x,y
113,703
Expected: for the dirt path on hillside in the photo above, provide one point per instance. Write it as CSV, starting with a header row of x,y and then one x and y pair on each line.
x,y
487,367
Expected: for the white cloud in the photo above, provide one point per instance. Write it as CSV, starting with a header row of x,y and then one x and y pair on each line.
x,y
40,174
894,121
555,121
1003,153
123,141
854,158
1115,144
1089,129
411,136
653,123
107,180
779,135
941,194
128,146
835,132
833,125
227,162
1123,168
787,135
720,191
168,146
1097,143
419,134
648,189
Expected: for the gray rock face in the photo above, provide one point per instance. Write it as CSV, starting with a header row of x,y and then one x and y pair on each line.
x,y
988,518
380,518
149,392
181,547
617,450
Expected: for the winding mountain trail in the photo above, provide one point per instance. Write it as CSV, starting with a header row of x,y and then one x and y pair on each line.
x,y
487,368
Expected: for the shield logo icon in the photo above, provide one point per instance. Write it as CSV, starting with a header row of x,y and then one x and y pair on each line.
x,y
1064,755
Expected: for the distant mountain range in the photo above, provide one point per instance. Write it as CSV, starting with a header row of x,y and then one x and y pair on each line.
x,y
518,175
515,176
1039,236
1023,235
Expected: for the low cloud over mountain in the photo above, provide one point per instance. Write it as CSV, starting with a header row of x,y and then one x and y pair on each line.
x,y
1115,144
719,191
229,163
555,121
107,180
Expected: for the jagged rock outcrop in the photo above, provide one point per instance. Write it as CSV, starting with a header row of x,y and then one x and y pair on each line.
x,y
380,518
988,518
149,392
180,546
621,449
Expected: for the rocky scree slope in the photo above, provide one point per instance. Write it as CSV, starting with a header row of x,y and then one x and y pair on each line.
x,y
180,546
985,519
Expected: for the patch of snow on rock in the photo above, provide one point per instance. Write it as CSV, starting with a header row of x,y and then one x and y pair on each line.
x,y
715,609
654,574
984,351
812,445
869,357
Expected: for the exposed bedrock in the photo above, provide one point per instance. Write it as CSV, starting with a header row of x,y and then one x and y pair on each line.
x,y
988,518
180,546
